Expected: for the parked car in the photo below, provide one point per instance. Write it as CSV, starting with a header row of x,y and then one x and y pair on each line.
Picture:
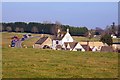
x,y
22,39
12,44
25,36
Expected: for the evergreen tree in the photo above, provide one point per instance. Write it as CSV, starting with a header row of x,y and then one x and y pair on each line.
x,y
107,39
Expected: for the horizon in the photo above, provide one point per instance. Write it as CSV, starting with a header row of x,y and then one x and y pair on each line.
x,y
74,14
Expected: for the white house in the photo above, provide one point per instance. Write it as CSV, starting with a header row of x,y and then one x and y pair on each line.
x,y
60,39
73,46
94,49
113,36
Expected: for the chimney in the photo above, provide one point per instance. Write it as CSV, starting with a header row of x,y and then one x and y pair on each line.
x,y
67,30
58,31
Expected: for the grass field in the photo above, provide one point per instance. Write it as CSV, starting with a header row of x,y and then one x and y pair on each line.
x,y
39,63
6,38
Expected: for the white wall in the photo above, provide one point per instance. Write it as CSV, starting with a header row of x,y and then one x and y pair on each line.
x,y
67,38
54,43
78,46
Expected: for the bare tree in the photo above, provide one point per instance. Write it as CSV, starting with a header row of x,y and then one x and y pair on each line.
x,y
17,29
21,29
56,28
112,29
9,29
34,29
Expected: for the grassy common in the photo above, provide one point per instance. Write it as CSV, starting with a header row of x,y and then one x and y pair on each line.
x,y
40,63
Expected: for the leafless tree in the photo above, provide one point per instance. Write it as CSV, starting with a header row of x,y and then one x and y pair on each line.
x,y
34,29
21,29
9,29
56,28
17,29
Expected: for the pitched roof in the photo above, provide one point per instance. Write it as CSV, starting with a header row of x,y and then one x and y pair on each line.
x,y
72,44
92,44
58,37
106,49
85,47
41,40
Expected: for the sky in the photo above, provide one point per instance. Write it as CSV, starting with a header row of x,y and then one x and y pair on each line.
x,y
89,14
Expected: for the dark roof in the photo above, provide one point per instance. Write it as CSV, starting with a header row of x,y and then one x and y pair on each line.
x,y
72,44
106,49
58,37
85,47
41,40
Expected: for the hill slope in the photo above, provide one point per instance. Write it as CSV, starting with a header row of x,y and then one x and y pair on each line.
x,y
39,63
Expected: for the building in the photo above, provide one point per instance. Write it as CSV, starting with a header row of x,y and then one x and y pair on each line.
x,y
95,46
86,47
73,46
60,39
106,49
116,46
44,42
65,42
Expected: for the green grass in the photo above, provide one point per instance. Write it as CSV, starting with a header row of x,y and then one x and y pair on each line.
x,y
6,38
39,63
30,42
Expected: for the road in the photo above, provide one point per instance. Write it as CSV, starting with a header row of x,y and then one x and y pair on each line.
x,y
19,43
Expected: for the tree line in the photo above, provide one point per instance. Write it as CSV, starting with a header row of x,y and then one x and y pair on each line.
x,y
45,28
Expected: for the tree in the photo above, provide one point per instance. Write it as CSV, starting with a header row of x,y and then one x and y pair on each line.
x,y
107,39
55,28
9,29
21,29
34,29
17,29
112,29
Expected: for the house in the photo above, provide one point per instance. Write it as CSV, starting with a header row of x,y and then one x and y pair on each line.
x,y
73,46
94,48
106,49
94,45
116,46
113,36
44,42
86,47
61,38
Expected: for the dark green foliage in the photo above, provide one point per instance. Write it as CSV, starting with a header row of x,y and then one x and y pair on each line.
x,y
43,28
107,39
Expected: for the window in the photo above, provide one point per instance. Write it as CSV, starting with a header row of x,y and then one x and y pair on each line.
x,y
79,49
57,42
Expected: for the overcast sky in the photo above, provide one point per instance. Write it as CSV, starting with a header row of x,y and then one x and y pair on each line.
x,y
89,14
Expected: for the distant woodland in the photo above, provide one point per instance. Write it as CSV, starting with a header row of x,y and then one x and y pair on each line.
x,y
51,28
46,28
